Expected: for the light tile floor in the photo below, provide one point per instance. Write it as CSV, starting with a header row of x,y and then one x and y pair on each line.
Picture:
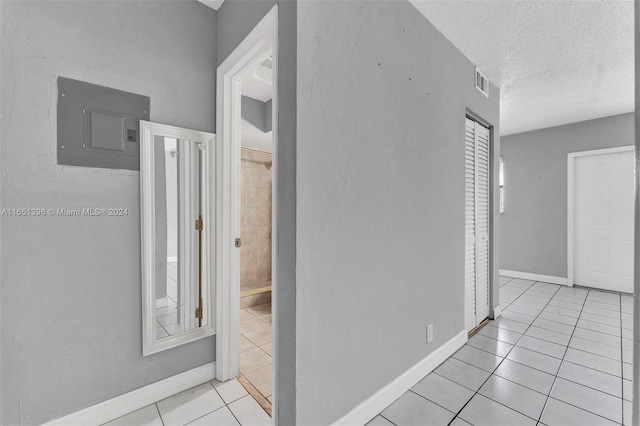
x,y
215,403
209,404
557,356
255,348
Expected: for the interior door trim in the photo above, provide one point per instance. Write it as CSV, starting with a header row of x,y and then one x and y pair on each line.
x,y
571,187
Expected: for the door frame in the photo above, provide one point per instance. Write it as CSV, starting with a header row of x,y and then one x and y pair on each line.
x,y
250,52
494,311
571,164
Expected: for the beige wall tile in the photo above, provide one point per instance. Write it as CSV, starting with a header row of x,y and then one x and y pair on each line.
x,y
255,228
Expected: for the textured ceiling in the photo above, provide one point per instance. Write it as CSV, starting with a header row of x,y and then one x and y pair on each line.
x,y
555,62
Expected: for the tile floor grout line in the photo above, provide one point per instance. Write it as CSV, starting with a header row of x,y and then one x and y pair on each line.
x,y
231,411
433,402
159,415
566,347
556,379
505,308
386,418
505,357
621,362
568,380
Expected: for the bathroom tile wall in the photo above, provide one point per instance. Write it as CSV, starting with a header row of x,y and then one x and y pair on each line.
x,y
255,228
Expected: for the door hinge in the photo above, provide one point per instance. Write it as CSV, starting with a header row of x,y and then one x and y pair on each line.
x,y
198,224
199,310
238,242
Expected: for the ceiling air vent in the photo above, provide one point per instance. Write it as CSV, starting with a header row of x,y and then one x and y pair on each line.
x,y
482,83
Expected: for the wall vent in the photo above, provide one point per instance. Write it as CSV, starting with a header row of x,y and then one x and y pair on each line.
x,y
482,83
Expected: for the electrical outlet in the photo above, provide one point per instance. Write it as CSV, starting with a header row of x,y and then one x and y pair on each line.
x,y
429,333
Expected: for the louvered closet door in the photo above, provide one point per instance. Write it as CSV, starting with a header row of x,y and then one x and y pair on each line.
x,y
476,224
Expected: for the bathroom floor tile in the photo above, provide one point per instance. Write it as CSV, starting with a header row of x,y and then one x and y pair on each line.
x,y
260,336
246,344
250,324
252,360
262,379
268,348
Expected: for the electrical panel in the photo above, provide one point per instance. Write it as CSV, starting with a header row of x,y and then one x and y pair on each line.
x,y
98,126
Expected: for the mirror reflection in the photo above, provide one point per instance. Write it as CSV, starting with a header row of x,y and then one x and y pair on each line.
x,y
178,289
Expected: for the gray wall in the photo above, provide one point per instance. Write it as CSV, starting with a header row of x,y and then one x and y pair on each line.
x,y
236,19
257,113
380,197
71,298
533,227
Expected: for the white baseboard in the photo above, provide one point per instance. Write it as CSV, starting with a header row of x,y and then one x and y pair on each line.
x,y
380,400
139,398
497,311
535,277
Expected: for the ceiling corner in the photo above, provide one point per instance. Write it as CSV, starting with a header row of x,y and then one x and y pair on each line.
x,y
213,4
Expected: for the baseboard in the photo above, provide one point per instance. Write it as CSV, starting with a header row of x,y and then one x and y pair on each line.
x,y
380,400
497,311
139,398
535,277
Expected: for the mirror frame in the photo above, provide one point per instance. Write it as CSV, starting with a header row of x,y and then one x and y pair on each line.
x,y
148,131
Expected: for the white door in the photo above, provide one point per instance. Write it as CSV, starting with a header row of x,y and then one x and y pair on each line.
x,y
603,221
476,223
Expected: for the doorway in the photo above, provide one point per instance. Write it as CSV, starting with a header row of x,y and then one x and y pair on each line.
x,y
256,202
247,166
477,217
600,218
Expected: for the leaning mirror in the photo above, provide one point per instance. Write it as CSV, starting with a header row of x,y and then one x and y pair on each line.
x,y
175,167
